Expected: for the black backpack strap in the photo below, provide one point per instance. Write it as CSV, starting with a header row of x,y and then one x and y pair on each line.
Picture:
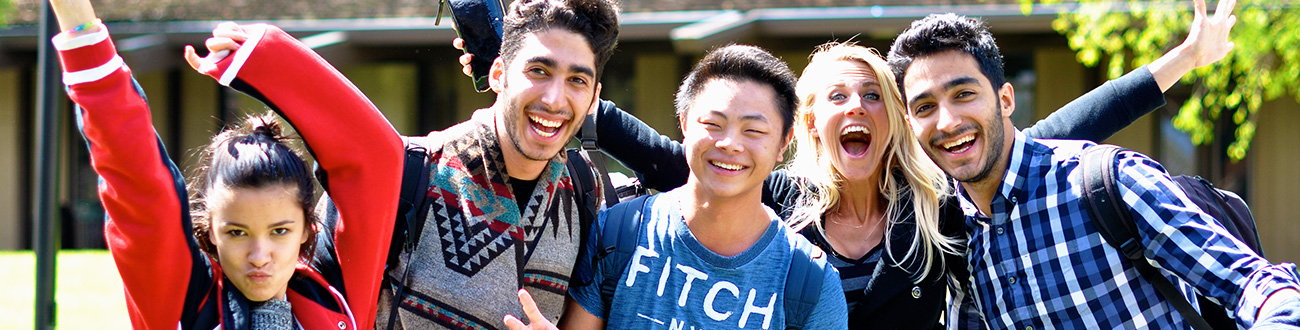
x,y
590,179
584,188
803,286
618,238
1101,195
414,195
412,210
1114,223
590,150
584,194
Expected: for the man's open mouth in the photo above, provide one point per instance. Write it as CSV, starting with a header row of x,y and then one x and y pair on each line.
x,y
959,145
545,128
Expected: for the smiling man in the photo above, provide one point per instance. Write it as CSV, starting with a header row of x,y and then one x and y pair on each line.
x,y
502,215
1036,260
709,254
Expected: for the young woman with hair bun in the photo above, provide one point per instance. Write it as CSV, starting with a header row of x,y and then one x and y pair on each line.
x,y
238,248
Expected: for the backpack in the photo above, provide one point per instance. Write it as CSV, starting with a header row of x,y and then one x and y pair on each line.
x,y
591,185
623,227
1113,221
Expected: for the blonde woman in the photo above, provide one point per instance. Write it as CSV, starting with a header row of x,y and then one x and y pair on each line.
x,y
868,185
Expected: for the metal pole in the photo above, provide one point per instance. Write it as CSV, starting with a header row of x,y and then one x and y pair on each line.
x,y
45,183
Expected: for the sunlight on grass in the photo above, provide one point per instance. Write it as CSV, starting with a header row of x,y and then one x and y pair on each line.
x,y
88,291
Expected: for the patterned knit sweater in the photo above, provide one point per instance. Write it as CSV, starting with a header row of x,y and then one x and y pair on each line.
x,y
478,247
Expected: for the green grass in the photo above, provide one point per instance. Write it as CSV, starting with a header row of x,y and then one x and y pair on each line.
x,y
88,291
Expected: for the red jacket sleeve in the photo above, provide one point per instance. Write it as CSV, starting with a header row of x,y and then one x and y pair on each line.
x,y
148,230
352,141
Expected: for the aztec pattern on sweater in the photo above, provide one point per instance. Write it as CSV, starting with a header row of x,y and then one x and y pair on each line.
x,y
478,247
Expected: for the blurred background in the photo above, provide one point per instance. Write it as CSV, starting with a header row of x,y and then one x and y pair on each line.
x,y
1223,123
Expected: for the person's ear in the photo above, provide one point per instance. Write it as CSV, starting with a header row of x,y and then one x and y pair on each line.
x,y
1007,96
811,123
785,145
496,75
595,100
681,120
311,228
212,241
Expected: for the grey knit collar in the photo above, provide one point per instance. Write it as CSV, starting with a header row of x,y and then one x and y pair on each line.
x,y
274,314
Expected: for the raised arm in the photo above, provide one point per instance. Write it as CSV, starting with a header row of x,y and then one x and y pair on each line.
x,y
351,140
1114,105
659,162
1103,111
148,227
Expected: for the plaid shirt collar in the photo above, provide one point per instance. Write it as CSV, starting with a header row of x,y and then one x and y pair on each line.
x,y
1024,156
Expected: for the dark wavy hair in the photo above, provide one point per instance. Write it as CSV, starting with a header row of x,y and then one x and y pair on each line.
x,y
943,32
275,163
742,63
595,20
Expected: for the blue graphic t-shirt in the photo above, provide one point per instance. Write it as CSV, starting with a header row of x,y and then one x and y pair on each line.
x,y
674,282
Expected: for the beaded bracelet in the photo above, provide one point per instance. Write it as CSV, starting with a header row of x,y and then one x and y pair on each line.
x,y
86,26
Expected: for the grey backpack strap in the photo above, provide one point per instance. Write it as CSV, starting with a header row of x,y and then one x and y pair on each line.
x,y
618,238
803,287
1113,221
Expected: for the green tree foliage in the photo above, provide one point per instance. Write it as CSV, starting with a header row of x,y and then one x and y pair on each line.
x,y
1264,65
5,7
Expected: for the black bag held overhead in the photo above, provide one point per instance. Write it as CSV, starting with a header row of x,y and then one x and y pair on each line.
x,y
1113,221
480,24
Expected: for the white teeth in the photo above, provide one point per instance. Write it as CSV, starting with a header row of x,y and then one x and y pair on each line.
x,y
855,128
544,122
544,133
731,167
952,144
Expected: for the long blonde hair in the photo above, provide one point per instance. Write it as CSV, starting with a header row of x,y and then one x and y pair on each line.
x,y
925,182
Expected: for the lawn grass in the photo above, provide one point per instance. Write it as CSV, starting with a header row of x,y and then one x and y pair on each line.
x,y
88,291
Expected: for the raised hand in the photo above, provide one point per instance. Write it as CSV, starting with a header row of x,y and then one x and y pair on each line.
x,y
226,38
1207,42
530,309
464,59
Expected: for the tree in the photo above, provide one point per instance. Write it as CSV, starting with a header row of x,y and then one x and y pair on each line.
x,y
5,8
1264,65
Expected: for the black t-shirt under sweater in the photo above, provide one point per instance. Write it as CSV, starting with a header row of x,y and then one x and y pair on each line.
x,y
522,189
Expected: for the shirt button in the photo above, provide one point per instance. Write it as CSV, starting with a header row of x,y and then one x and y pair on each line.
x,y
1030,327
1012,280
343,325
1000,230
916,292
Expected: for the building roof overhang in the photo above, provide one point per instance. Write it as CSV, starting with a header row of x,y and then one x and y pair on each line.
x,y
689,31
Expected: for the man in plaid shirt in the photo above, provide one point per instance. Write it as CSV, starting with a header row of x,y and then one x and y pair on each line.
x,y
1036,260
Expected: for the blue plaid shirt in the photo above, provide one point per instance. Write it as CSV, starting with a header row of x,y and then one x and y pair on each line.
x,y
1039,263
